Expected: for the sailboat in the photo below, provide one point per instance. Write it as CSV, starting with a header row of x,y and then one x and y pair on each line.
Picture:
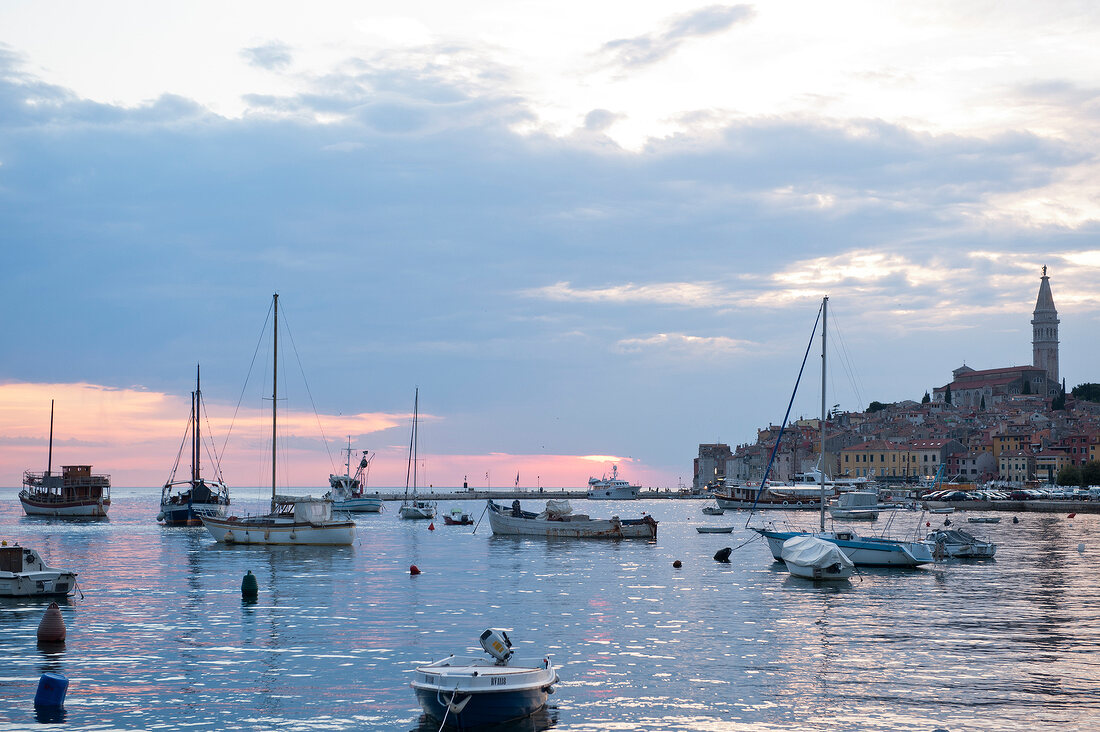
x,y
416,508
871,551
180,506
346,491
292,519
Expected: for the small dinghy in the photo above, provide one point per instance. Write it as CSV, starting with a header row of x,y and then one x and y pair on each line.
x,y
713,510
472,692
984,519
813,558
714,529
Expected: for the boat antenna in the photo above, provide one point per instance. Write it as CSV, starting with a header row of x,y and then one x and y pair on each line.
x,y
49,457
783,426
274,395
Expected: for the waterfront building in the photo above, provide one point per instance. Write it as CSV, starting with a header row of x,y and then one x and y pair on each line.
x,y
711,465
1016,467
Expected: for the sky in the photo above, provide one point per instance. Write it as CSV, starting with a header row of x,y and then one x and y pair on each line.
x,y
589,234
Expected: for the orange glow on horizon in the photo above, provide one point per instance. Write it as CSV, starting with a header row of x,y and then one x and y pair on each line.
x,y
134,435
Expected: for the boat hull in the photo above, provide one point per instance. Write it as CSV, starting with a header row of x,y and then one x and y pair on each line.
x,y
358,505
73,509
503,523
482,709
286,533
613,494
819,573
417,512
177,515
726,502
37,584
864,552
853,514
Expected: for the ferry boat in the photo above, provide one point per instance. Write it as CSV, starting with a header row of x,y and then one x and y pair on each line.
x,y
611,489
76,493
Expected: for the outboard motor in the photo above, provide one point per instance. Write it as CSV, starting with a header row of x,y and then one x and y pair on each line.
x,y
497,644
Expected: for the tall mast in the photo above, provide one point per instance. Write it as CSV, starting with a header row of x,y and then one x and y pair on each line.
x,y
196,445
274,396
824,322
49,458
416,435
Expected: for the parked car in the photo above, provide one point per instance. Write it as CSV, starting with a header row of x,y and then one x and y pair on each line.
x,y
1020,496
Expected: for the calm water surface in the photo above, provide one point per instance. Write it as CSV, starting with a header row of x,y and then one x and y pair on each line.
x,y
162,640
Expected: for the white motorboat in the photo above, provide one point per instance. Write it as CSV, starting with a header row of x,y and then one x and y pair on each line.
x,y
473,692
347,491
611,489
182,501
959,544
24,574
292,519
856,506
414,508
713,510
813,558
76,493
558,519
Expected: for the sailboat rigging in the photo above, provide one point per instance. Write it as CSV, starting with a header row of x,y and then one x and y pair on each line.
x,y
862,550
292,519
180,506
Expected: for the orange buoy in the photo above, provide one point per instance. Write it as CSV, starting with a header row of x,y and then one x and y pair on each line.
x,y
414,569
431,526
677,564
52,627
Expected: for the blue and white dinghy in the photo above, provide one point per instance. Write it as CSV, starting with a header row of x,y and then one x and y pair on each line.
x,y
467,692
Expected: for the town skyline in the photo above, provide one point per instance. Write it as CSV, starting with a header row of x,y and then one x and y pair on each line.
x,y
587,243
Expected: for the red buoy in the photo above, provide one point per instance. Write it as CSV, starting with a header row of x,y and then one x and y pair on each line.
x,y
927,523
414,569
677,564
431,526
1071,515
52,627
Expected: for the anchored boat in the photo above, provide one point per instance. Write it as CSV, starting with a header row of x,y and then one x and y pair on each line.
x,y
468,692
346,491
611,489
24,574
559,520
182,501
76,493
416,508
816,559
292,519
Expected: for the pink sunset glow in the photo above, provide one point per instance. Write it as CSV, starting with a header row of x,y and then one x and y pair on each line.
x,y
134,435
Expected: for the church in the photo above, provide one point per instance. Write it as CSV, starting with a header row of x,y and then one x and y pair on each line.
x,y
983,389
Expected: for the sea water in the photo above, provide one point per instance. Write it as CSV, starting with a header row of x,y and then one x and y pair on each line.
x,y
161,638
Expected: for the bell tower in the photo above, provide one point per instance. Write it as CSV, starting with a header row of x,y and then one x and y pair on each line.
x,y
1044,334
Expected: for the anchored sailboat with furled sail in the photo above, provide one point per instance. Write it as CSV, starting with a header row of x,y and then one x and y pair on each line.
x,y
292,519
183,501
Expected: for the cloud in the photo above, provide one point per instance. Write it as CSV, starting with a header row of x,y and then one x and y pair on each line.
x,y
273,56
650,49
684,345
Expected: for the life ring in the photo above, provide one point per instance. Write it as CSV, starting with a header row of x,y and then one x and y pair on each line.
x,y
785,503
800,503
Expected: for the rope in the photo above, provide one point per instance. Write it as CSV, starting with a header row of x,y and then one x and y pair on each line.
x,y
786,416
294,347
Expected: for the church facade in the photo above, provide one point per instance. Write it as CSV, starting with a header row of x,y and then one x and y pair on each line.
x,y
983,389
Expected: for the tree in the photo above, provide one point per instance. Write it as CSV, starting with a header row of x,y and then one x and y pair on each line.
x,y
982,407
876,407
1087,392
1069,475
1059,401
947,395
927,398
1090,473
